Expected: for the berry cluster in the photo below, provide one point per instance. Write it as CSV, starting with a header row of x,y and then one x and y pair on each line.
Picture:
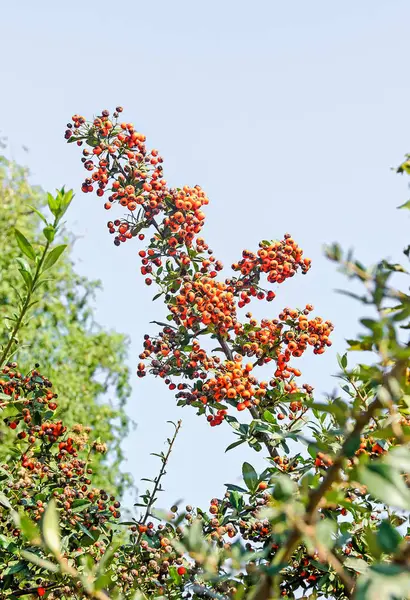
x,y
279,260
185,269
205,301
50,458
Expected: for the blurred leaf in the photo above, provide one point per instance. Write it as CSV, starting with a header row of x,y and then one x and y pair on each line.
x,y
50,528
4,501
388,537
40,562
405,205
356,564
325,532
28,528
385,483
284,488
399,458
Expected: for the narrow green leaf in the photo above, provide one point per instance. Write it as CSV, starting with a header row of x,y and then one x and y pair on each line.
x,y
53,204
28,280
234,445
54,255
24,245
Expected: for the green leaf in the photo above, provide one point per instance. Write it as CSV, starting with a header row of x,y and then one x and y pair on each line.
x,y
53,204
24,245
269,417
250,476
14,567
352,445
50,528
388,537
65,199
80,504
176,578
234,445
54,255
28,527
28,280
235,499
385,483
342,360
236,488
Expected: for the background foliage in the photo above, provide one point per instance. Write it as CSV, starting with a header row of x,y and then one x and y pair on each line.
x,y
86,363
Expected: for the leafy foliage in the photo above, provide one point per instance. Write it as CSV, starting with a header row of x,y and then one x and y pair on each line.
x,y
86,364
327,518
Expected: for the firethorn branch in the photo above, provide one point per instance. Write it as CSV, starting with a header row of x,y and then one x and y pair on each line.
x,y
331,477
192,294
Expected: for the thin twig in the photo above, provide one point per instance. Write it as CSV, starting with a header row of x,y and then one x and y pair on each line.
x,y
158,481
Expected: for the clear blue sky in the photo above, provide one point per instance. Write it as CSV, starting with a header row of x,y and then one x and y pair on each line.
x,y
289,114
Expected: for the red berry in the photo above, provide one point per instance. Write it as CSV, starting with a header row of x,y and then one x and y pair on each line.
x,y
13,425
41,591
181,570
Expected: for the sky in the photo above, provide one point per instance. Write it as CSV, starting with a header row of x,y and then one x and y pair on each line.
x,y
290,115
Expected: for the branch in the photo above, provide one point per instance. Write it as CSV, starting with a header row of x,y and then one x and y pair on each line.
x,y
158,480
332,475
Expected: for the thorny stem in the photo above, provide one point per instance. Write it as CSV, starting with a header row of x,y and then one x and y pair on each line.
x,y
158,480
